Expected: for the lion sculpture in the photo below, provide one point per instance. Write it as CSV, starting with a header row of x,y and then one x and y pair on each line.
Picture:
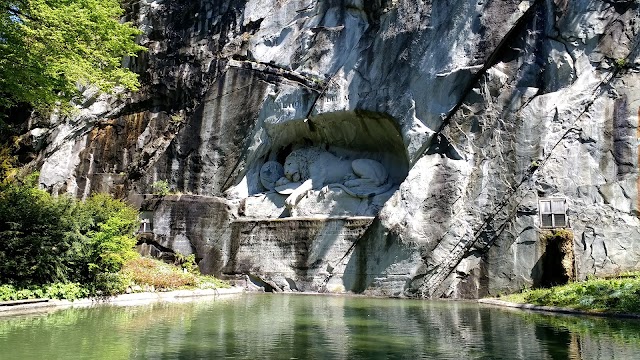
x,y
314,169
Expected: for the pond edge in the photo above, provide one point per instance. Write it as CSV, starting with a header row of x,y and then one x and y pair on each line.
x,y
554,309
44,305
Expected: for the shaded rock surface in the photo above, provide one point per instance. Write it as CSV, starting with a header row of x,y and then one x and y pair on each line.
x,y
476,109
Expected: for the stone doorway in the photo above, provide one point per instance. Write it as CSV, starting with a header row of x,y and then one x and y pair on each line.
x,y
555,266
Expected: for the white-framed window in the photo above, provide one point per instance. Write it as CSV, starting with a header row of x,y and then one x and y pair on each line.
x,y
553,213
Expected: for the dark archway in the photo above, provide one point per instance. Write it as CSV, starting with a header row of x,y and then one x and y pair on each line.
x,y
555,266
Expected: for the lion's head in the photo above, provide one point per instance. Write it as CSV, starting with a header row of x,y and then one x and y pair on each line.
x,y
298,163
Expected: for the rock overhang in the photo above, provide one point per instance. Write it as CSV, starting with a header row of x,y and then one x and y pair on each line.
x,y
354,159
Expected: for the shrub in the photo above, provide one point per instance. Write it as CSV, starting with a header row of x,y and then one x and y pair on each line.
x,y
620,295
187,263
69,291
107,284
46,239
150,272
7,292
160,187
36,236
620,63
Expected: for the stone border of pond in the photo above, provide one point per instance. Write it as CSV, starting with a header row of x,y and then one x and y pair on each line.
x,y
43,305
554,309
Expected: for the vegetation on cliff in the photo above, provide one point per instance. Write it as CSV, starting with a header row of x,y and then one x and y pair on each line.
x,y
617,295
49,47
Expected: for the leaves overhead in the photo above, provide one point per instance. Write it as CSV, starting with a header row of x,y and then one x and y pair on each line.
x,y
49,47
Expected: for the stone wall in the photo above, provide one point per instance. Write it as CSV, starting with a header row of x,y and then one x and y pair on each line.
x,y
302,254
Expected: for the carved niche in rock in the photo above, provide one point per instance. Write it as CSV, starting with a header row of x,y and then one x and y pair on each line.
x,y
313,168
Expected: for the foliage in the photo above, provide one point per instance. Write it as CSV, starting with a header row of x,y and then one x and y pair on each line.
x,y
162,276
46,239
147,272
619,295
69,291
50,245
8,162
49,47
187,263
557,234
621,63
106,284
37,236
160,187
211,282
109,225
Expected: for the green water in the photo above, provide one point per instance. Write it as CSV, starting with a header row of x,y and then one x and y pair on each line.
x,y
313,327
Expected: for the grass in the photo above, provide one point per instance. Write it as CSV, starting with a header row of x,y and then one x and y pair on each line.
x,y
616,295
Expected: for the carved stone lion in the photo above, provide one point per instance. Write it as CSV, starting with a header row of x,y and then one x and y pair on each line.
x,y
313,168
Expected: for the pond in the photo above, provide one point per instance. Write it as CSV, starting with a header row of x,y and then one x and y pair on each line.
x,y
313,327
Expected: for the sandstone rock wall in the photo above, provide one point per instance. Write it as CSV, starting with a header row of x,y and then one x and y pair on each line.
x,y
476,108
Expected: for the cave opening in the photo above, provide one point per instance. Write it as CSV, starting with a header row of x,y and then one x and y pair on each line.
x,y
555,266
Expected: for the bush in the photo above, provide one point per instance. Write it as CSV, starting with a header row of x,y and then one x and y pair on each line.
x,y
69,291
50,245
107,284
46,239
160,187
147,272
37,236
150,272
187,263
110,226
620,295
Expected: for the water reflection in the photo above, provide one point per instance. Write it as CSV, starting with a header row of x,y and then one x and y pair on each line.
x,y
309,327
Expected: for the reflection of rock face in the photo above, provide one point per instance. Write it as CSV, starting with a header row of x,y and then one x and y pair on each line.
x,y
456,100
316,327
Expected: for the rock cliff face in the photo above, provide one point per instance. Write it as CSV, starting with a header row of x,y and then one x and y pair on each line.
x,y
477,110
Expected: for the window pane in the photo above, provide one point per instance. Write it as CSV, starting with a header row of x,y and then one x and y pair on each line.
x,y
545,207
557,206
560,220
546,220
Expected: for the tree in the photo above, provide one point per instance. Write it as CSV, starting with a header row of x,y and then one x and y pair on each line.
x,y
50,47
36,236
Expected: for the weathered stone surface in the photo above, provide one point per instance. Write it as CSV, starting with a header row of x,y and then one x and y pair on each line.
x,y
475,109
303,254
190,224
